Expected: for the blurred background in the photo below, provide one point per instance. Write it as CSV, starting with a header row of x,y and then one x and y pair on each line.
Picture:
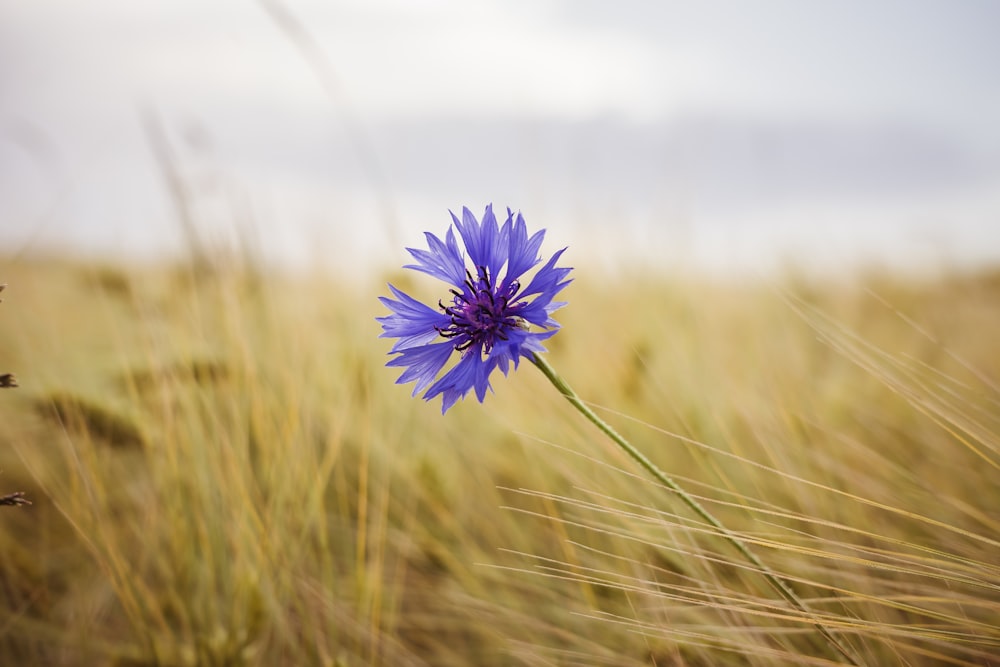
x,y
717,136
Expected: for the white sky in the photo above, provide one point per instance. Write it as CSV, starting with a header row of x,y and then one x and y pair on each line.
x,y
721,132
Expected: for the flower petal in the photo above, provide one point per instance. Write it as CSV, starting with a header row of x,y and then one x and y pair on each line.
x,y
470,372
546,281
443,260
522,252
481,239
413,322
422,363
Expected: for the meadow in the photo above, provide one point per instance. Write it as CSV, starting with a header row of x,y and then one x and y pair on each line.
x,y
223,472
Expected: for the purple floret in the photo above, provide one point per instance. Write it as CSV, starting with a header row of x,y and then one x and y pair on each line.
x,y
490,321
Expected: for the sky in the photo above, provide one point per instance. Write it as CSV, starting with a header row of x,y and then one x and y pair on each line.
x,y
716,135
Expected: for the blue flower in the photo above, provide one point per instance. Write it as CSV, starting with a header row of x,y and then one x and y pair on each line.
x,y
487,319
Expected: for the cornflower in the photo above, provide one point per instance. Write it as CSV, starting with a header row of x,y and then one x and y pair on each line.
x,y
490,319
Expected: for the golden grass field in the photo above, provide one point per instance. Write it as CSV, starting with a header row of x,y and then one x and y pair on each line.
x,y
223,472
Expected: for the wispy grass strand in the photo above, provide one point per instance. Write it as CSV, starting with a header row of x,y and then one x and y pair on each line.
x,y
782,587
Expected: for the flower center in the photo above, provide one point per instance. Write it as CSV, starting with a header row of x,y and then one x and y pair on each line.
x,y
481,312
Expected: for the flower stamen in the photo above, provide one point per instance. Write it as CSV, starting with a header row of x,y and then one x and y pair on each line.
x,y
481,314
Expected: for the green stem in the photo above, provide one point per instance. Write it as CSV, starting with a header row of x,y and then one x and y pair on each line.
x,y
779,584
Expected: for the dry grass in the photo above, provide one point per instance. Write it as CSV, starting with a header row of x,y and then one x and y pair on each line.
x,y
223,473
